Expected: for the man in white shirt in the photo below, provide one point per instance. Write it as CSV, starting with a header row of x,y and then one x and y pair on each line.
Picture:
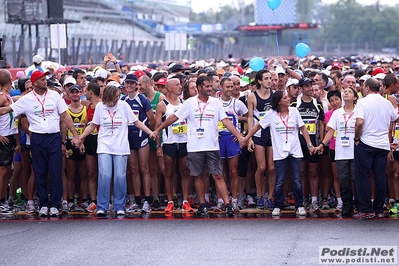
x,y
44,109
373,117
202,114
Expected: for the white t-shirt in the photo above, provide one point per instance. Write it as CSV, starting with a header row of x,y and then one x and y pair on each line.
x,y
282,134
43,111
377,113
344,125
113,121
177,132
8,122
202,123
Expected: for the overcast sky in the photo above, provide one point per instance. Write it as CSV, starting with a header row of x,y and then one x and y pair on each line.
x,y
203,5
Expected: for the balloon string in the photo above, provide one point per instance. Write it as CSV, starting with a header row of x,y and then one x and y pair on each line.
x,y
278,47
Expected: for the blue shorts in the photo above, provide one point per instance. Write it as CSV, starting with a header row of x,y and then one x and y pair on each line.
x,y
136,142
228,147
17,157
175,150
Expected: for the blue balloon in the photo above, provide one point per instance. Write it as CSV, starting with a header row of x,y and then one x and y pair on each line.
x,y
256,63
302,50
273,4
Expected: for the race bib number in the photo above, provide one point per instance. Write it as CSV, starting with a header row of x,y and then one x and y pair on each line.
x,y
179,128
221,127
310,126
261,115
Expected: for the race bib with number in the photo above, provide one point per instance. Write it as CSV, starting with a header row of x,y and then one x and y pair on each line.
x,y
179,128
310,126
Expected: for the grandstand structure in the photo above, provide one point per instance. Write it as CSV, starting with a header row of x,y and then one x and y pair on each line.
x,y
93,28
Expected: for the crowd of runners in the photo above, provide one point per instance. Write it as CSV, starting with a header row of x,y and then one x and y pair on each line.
x,y
312,134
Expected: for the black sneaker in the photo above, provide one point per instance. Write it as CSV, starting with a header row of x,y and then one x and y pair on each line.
x,y
229,210
156,204
202,210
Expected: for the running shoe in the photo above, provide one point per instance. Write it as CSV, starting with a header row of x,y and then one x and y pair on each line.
x,y
236,208
101,214
276,212
324,205
30,207
219,206
5,209
186,207
338,208
36,201
92,207
260,203
146,207
202,210
170,207
314,207
191,201
381,215
43,212
332,201
364,215
64,207
291,199
120,213
390,204
249,201
85,205
229,209
240,202
394,209
156,204
307,203
9,203
270,204
72,207
54,212
301,211
133,207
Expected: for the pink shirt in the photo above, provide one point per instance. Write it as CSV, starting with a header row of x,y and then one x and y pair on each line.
x,y
327,117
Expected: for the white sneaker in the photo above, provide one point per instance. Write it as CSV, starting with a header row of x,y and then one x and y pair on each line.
x,y
339,207
30,207
219,206
43,211
133,207
301,211
54,212
276,212
146,207
120,212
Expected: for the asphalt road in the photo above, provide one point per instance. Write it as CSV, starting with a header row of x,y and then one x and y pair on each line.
x,y
212,241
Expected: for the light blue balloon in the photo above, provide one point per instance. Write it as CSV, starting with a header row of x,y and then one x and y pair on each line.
x,y
256,63
273,4
302,50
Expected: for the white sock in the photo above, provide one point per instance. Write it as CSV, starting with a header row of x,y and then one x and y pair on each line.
x,y
207,197
233,200
314,199
339,200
